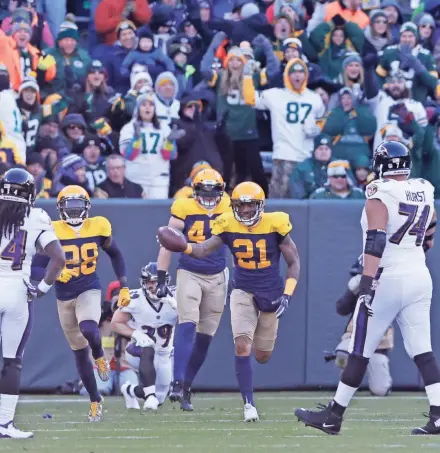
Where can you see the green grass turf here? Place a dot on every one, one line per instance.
(372, 425)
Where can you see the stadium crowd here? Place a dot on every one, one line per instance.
(130, 99)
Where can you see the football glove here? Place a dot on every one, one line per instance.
(65, 276)
(162, 290)
(124, 297)
(366, 294)
(283, 305)
(142, 339)
(33, 292)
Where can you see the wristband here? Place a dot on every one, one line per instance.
(188, 250)
(290, 286)
(44, 287)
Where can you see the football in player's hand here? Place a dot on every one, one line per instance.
(171, 239)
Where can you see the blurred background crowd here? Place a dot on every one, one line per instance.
(130, 99)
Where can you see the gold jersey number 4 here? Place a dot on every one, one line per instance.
(197, 231)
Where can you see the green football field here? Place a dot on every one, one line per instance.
(372, 425)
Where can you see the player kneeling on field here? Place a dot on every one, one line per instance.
(149, 322)
(378, 370)
(256, 240)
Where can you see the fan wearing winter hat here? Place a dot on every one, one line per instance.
(70, 171)
(378, 34)
(416, 63)
(31, 110)
(72, 61)
(185, 72)
(426, 27)
(35, 165)
(27, 57)
(241, 122)
(147, 55)
(353, 75)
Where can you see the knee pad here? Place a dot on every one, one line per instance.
(355, 370)
(242, 345)
(427, 365)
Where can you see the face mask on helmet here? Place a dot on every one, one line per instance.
(208, 196)
(247, 212)
(74, 211)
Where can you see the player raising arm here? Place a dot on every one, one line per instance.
(201, 284)
(256, 240)
(23, 228)
(78, 288)
(398, 219)
(149, 321)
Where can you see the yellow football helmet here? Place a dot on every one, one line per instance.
(208, 187)
(73, 204)
(247, 202)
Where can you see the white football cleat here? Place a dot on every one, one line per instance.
(250, 413)
(151, 403)
(10, 431)
(131, 402)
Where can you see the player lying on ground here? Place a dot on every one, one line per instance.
(23, 229)
(201, 284)
(149, 322)
(398, 223)
(256, 240)
(378, 370)
(78, 288)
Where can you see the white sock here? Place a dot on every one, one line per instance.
(151, 390)
(8, 404)
(433, 393)
(344, 394)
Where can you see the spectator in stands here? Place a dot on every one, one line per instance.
(71, 170)
(333, 40)
(395, 18)
(426, 27)
(72, 61)
(113, 58)
(55, 11)
(90, 150)
(378, 35)
(351, 126)
(311, 173)
(26, 58)
(74, 128)
(162, 25)
(147, 54)
(117, 185)
(284, 28)
(352, 75)
(185, 73)
(144, 144)
(200, 140)
(36, 166)
(327, 91)
(241, 123)
(93, 102)
(339, 185)
(50, 128)
(31, 110)
(47, 148)
(166, 88)
(362, 172)
(41, 35)
(289, 120)
(349, 11)
(416, 63)
(110, 13)
(109, 139)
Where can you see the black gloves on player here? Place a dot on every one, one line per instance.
(366, 294)
(162, 287)
(283, 304)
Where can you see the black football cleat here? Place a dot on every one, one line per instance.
(185, 402)
(176, 393)
(324, 420)
(432, 427)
